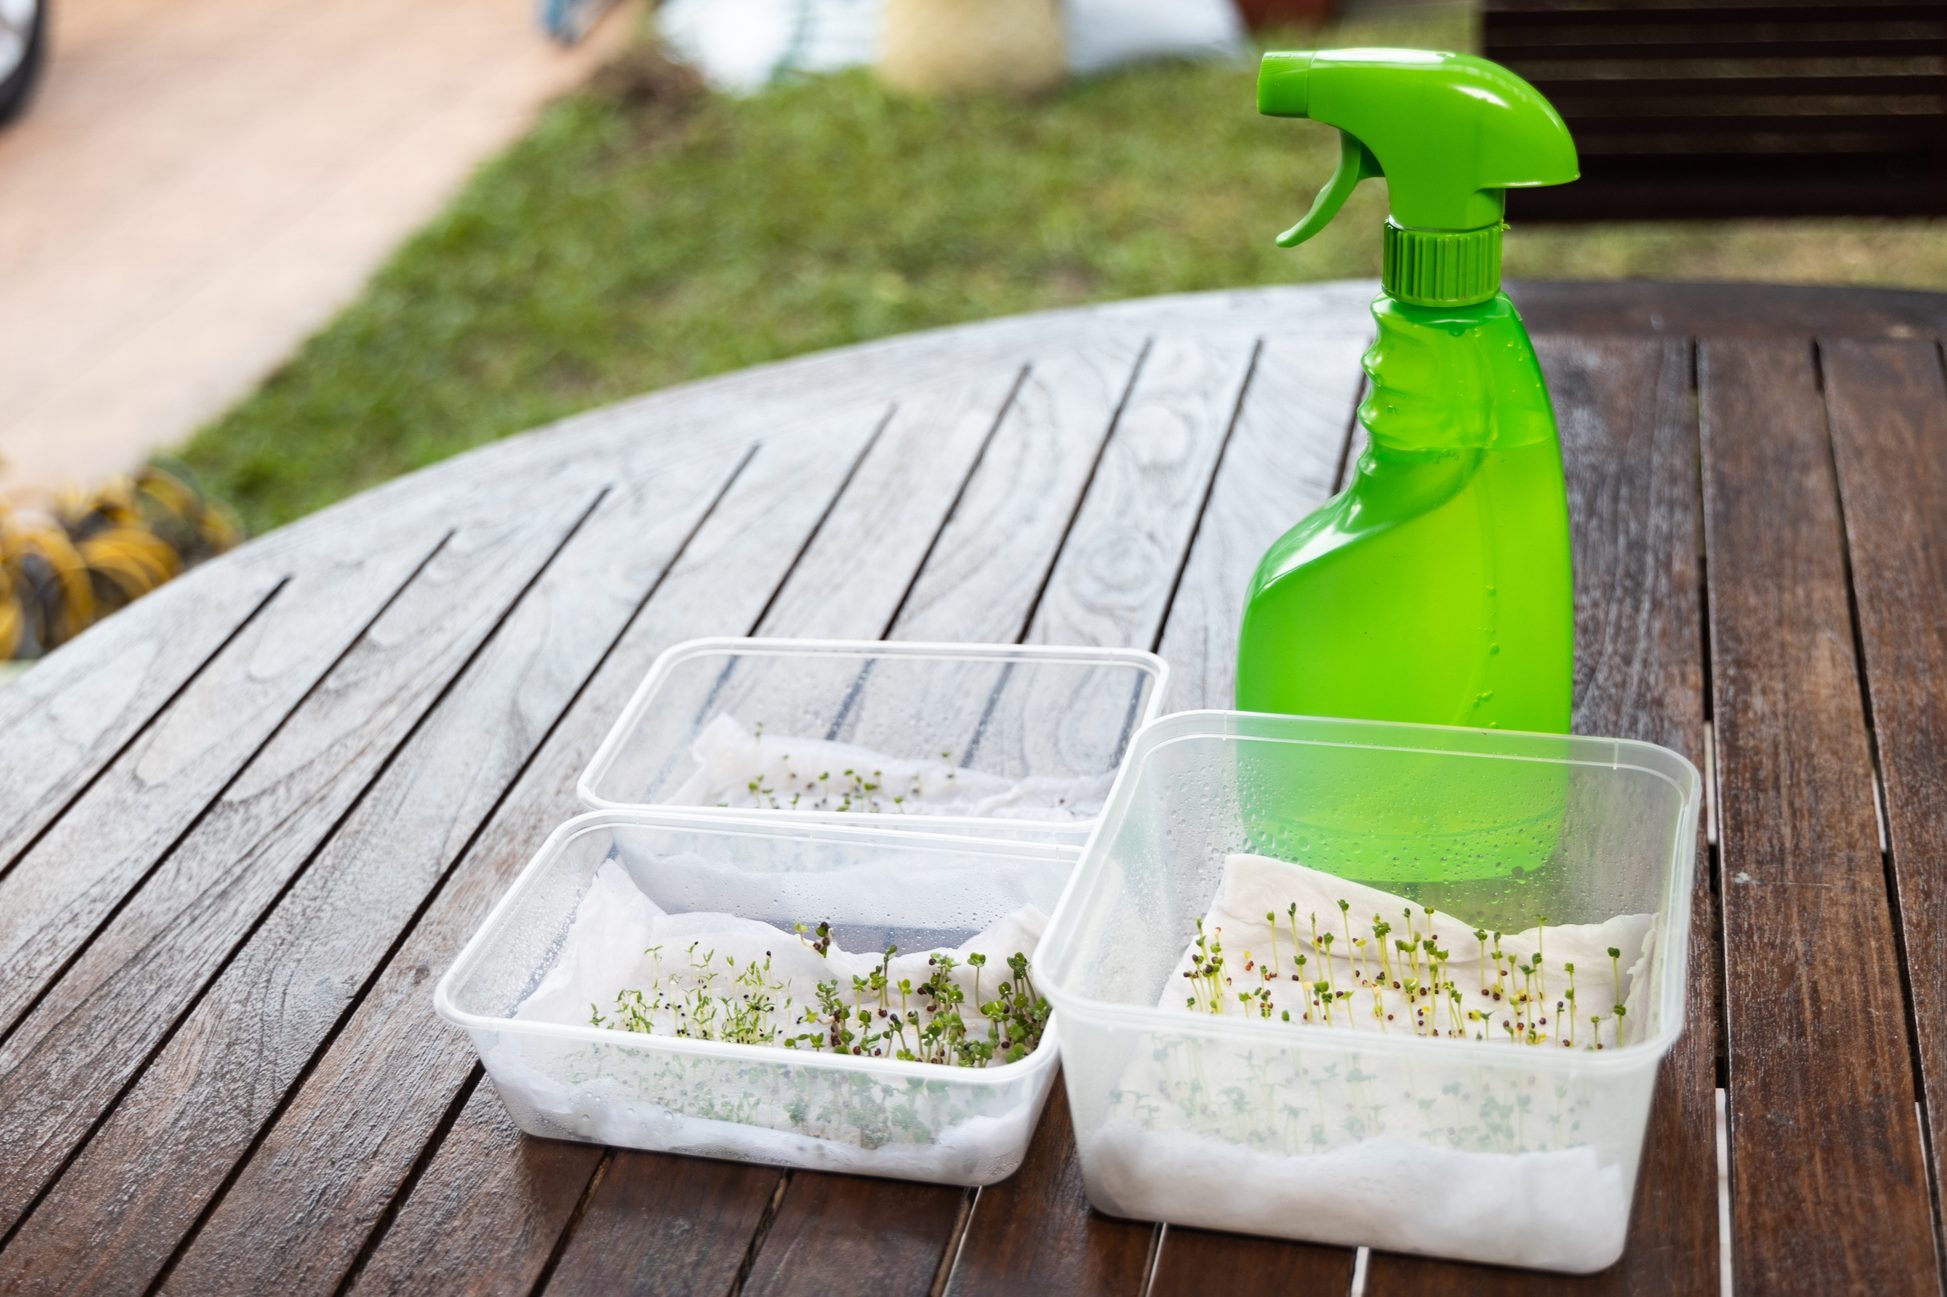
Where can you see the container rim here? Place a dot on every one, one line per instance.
(1672, 926)
(446, 990)
(609, 752)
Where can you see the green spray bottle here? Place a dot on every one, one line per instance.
(1436, 586)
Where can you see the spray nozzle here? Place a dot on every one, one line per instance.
(1451, 133)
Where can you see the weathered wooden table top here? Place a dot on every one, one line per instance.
(245, 825)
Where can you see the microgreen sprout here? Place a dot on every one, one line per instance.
(1345, 918)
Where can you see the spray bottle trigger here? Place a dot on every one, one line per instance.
(1356, 163)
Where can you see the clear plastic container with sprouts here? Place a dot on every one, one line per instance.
(1357, 983)
(1020, 741)
(756, 988)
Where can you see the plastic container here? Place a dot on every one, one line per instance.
(758, 1103)
(1481, 1150)
(992, 739)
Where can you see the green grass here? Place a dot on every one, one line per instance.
(643, 234)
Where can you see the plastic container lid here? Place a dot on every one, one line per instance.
(998, 740)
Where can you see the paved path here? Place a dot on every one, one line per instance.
(202, 183)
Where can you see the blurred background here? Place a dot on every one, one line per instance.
(258, 255)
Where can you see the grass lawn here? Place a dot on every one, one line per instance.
(647, 232)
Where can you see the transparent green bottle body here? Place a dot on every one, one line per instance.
(1436, 588)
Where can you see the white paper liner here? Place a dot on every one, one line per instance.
(730, 757)
(761, 1108)
(1427, 1152)
(1254, 885)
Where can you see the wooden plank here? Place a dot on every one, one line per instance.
(122, 997)
(978, 583)
(221, 1076)
(1911, 127)
(850, 581)
(1282, 462)
(1519, 17)
(1111, 584)
(858, 571)
(981, 579)
(848, 1234)
(1900, 191)
(668, 1224)
(77, 873)
(1888, 408)
(1829, 1185)
(547, 1175)
(1571, 92)
(1119, 564)
(65, 725)
(1725, 310)
(1629, 448)
(1807, 46)
(1034, 1232)
(1193, 1261)
(300, 1209)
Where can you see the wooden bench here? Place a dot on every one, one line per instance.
(1716, 108)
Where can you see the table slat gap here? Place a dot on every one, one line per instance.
(1031, 482)
(455, 1110)
(603, 1165)
(818, 525)
(1295, 428)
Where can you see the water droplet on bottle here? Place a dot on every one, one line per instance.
(1493, 590)
(1493, 649)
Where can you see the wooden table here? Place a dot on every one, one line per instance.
(245, 825)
